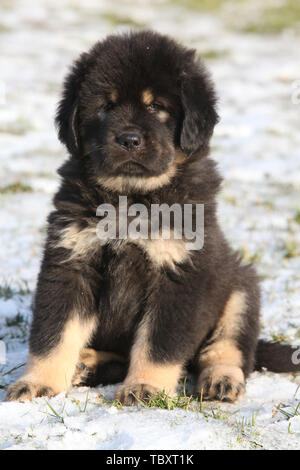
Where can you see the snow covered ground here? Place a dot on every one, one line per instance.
(257, 146)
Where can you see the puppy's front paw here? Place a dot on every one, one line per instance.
(133, 394)
(23, 391)
(221, 382)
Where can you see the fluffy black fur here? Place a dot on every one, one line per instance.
(118, 284)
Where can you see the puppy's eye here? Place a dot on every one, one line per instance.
(104, 109)
(109, 106)
(155, 107)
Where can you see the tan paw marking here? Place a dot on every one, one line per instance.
(23, 391)
(221, 382)
(132, 394)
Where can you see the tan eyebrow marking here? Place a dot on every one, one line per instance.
(147, 96)
(113, 96)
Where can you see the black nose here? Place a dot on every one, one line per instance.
(130, 140)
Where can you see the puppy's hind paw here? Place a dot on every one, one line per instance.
(221, 382)
(22, 391)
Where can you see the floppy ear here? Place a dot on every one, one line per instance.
(66, 119)
(200, 116)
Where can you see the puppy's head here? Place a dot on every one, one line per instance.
(132, 103)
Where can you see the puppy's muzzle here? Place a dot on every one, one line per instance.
(130, 141)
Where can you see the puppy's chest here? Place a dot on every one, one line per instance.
(158, 251)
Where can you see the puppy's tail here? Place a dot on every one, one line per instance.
(277, 357)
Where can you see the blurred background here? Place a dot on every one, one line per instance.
(252, 50)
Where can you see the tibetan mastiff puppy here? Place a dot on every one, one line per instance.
(137, 114)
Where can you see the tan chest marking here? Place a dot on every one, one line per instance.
(164, 252)
(81, 242)
(85, 242)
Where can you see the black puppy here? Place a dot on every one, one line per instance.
(137, 114)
